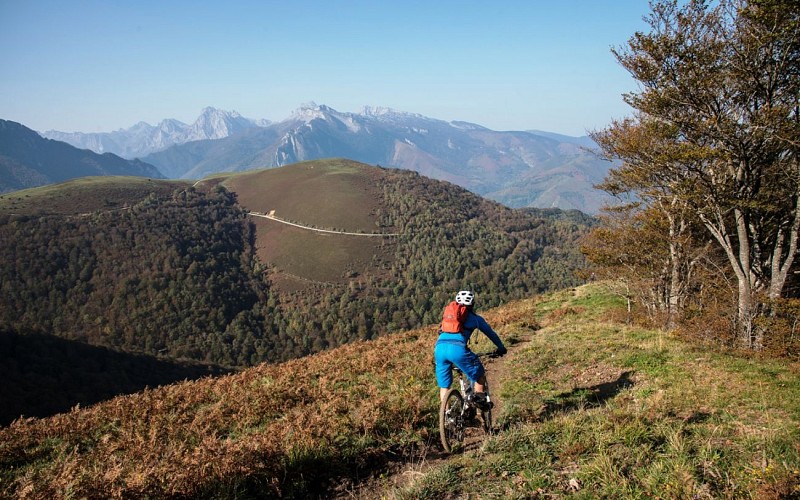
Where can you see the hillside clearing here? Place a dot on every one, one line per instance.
(347, 191)
(317, 214)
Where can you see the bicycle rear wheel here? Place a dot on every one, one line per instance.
(451, 420)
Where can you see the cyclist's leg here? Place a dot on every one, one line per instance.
(469, 363)
(444, 368)
(481, 384)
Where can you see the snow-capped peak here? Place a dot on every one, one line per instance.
(215, 124)
(310, 111)
(384, 112)
(212, 111)
(376, 111)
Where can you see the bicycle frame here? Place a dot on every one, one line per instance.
(468, 389)
(458, 408)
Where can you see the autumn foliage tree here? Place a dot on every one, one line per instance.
(714, 138)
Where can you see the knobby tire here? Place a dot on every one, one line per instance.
(451, 426)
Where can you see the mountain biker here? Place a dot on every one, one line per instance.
(451, 349)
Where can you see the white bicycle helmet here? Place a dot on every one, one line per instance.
(465, 297)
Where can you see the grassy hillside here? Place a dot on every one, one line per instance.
(598, 408)
(44, 374)
(84, 195)
(591, 407)
(337, 195)
(347, 190)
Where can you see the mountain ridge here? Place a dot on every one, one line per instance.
(516, 168)
(29, 160)
(142, 138)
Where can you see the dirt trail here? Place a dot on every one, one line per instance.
(271, 216)
(405, 473)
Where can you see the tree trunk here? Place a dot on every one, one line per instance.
(741, 266)
(745, 315)
(677, 280)
(782, 265)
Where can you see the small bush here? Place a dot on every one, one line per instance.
(782, 329)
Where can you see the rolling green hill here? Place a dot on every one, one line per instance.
(591, 407)
(85, 195)
(335, 195)
(190, 273)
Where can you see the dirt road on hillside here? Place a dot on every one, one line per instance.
(272, 216)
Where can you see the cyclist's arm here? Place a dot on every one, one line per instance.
(484, 327)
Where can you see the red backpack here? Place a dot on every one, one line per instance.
(453, 317)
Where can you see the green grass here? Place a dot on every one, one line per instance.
(596, 409)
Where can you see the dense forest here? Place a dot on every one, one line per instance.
(177, 277)
(165, 277)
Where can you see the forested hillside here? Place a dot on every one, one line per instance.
(176, 275)
(448, 239)
(165, 277)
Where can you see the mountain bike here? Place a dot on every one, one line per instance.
(458, 410)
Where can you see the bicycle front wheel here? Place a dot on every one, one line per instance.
(486, 421)
(451, 420)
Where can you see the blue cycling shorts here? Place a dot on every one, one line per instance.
(448, 353)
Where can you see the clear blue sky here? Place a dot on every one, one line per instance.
(97, 66)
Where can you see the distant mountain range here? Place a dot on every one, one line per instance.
(517, 168)
(143, 139)
(29, 160)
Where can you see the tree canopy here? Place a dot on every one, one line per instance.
(713, 140)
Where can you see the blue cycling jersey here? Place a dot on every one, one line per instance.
(472, 322)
